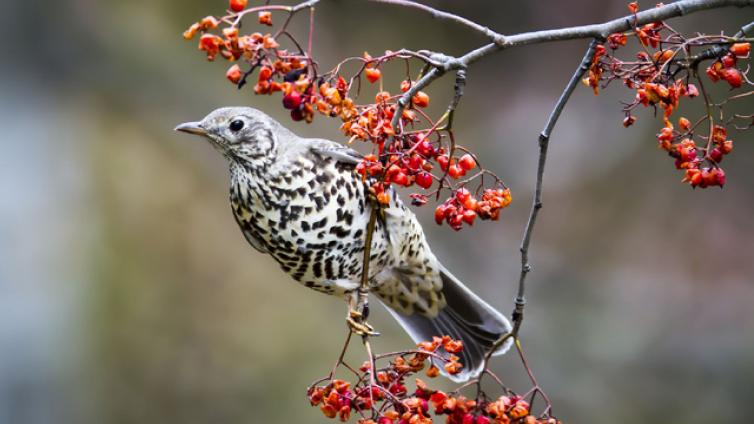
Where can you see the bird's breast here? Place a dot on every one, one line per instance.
(310, 219)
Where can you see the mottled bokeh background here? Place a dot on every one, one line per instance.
(127, 295)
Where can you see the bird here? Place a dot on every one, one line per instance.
(300, 201)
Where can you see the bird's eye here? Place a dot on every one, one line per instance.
(236, 125)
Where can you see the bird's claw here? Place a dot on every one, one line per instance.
(361, 328)
(358, 325)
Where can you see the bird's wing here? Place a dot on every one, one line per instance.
(336, 151)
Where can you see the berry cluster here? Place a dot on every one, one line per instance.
(382, 396)
(663, 74)
(464, 207)
(406, 155)
(725, 68)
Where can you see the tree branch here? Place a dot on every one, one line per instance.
(602, 30)
(544, 140)
(439, 14)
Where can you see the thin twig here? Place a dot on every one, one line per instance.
(439, 14)
(544, 138)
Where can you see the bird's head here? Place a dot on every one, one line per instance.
(239, 133)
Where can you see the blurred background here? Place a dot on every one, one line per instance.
(127, 294)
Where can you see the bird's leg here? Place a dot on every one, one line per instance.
(358, 300)
(358, 312)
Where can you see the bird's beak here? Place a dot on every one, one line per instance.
(192, 128)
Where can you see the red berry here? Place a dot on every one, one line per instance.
(415, 162)
(440, 213)
(693, 177)
(456, 171)
(726, 146)
(297, 115)
(373, 74)
(443, 161)
(265, 73)
(469, 216)
(234, 74)
(720, 177)
(732, 76)
(688, 154)
(210, 43)
(728, 60)
(238, 5)
(709, 177)
(740, 49)
(401, 178)
(467, 162)
(712, 73)
(292, 100)
(456, 222)
(426, 149)
(666, 134)
(462, 194)
(481, 419)
(424, 180)
(716, 155)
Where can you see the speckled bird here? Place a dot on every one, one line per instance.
(300, 201)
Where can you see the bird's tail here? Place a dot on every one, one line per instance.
(466, 317)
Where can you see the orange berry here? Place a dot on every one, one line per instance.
(433, 372)
(421, 99)
(740, 49)
(209, 22)
(684, 124)
(238, 5)
(382, 96)
(633, 7)
(662, 56)
(328, 410)
(265, 18)
(191, 31)
(373, 74)
(383, 198)
(234, 74)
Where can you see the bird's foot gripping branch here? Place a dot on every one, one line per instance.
(410, 148)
